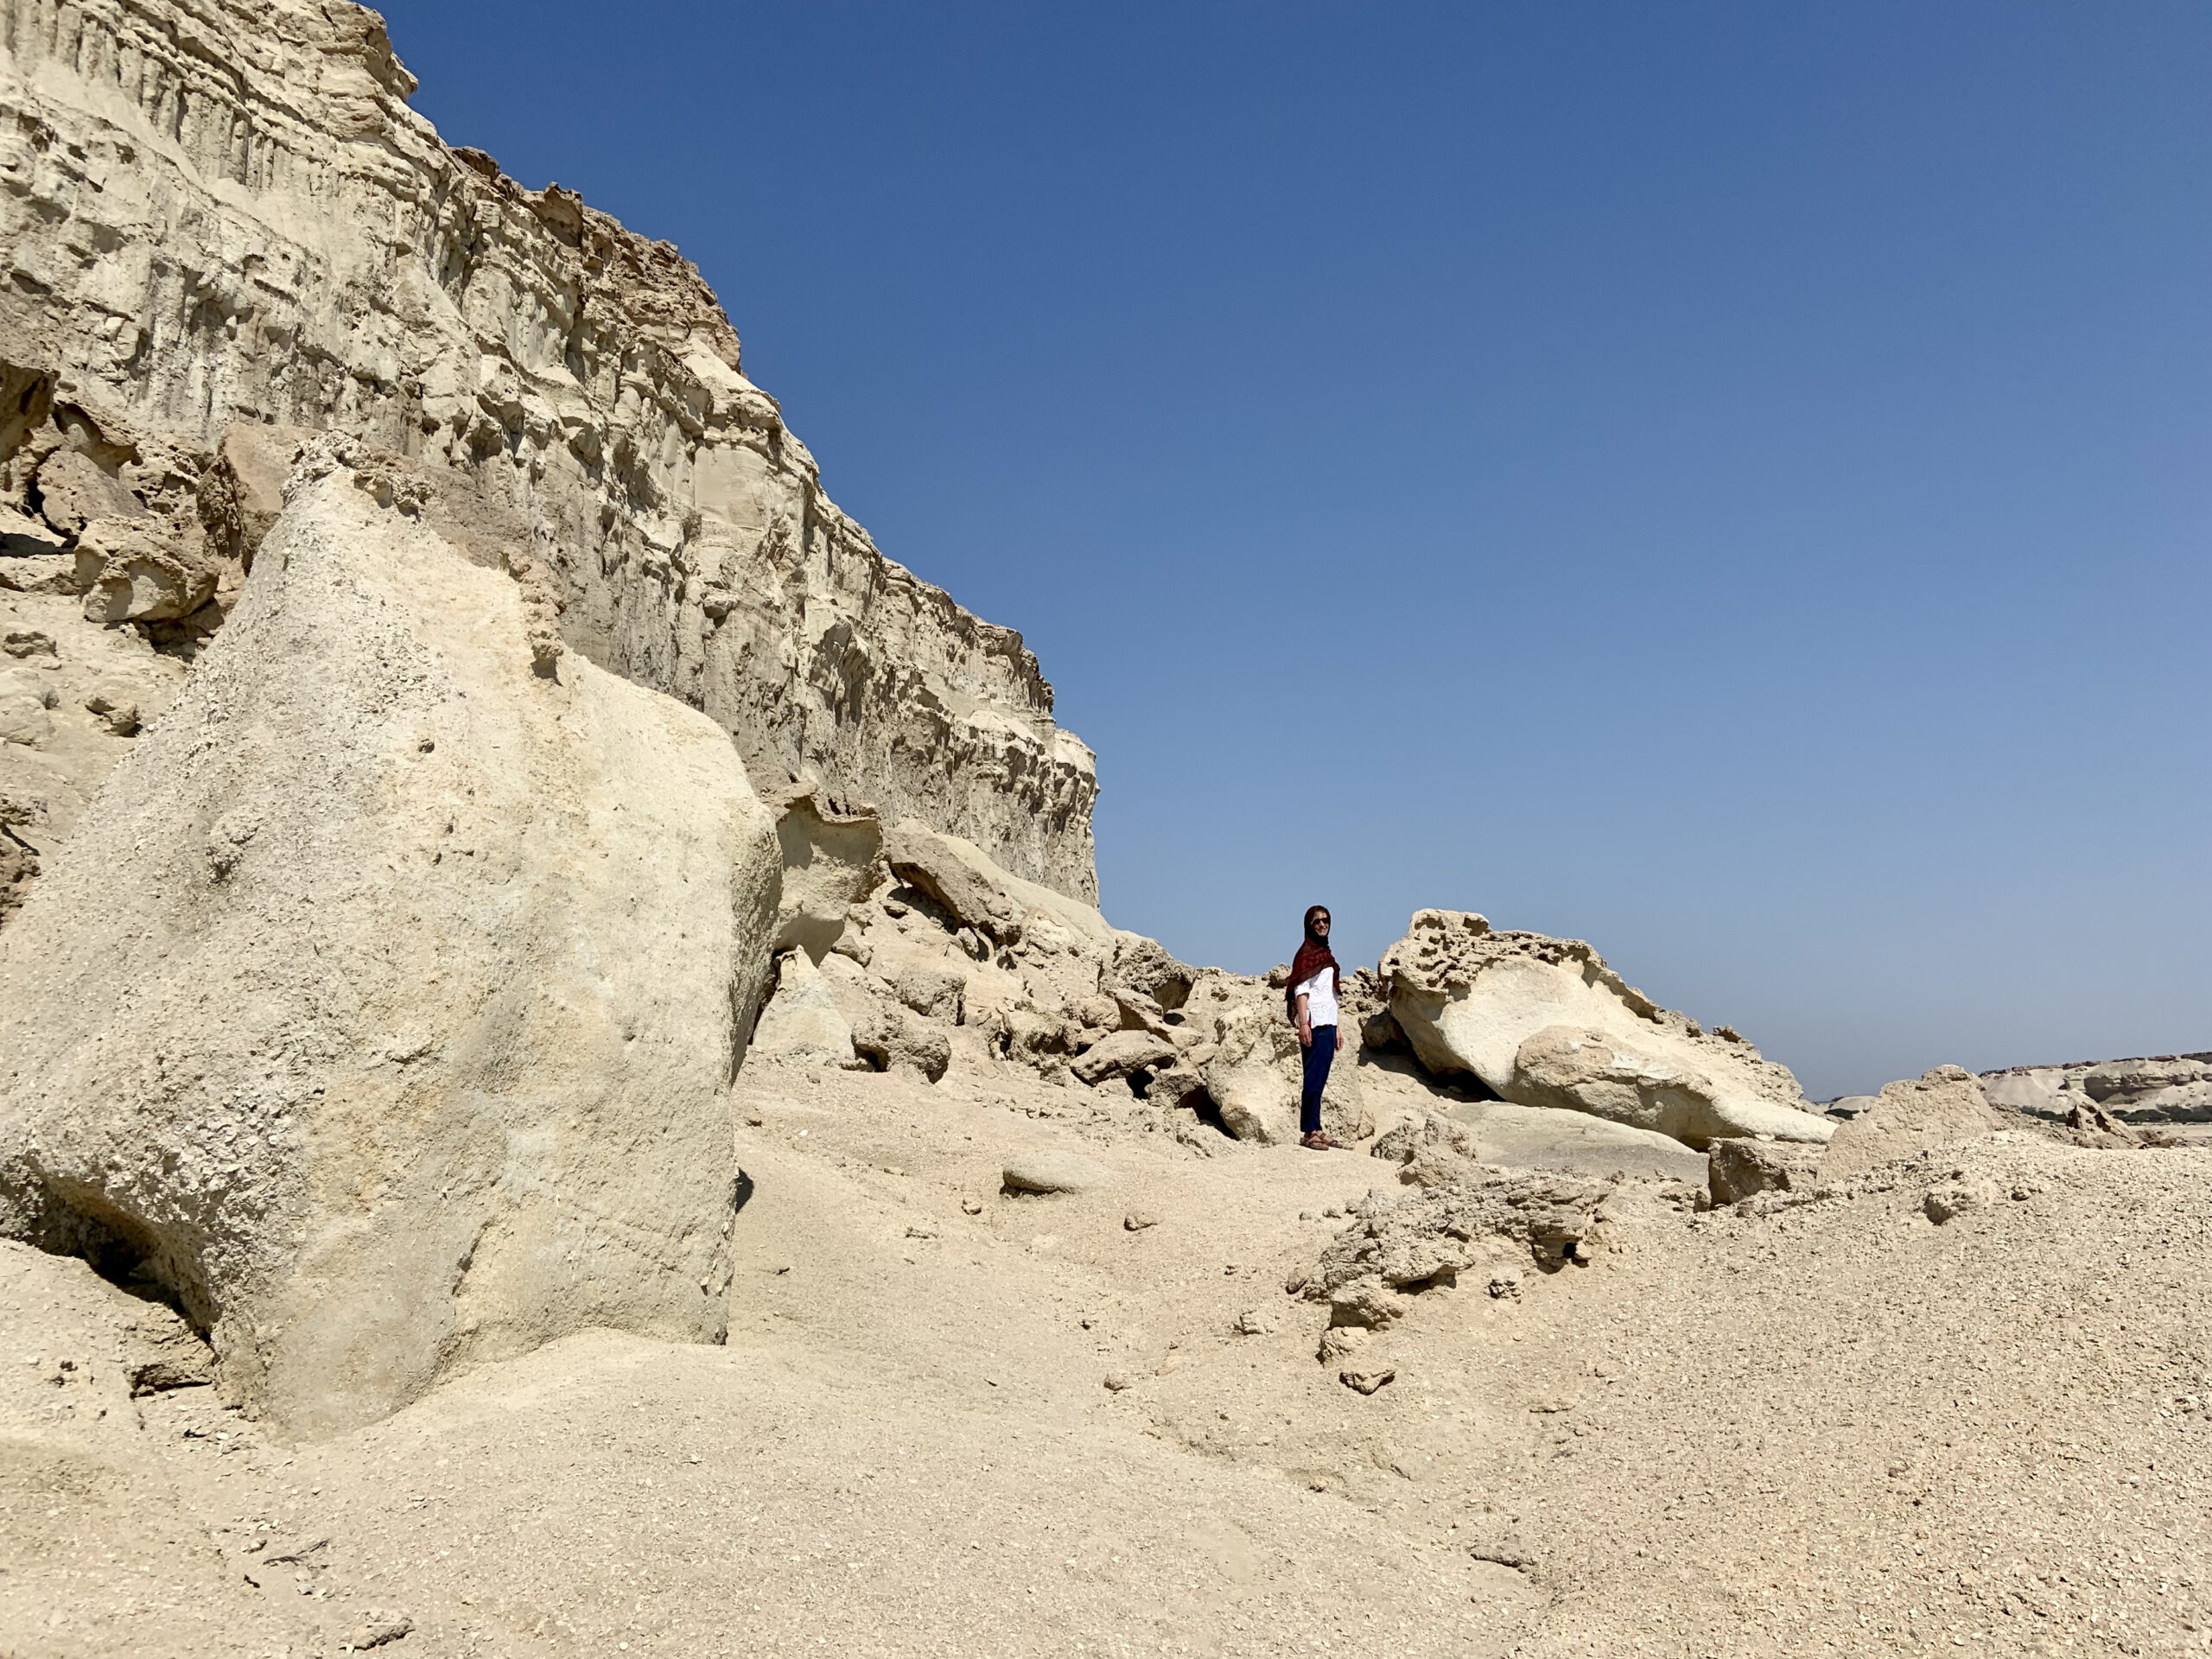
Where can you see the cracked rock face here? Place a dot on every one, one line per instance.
(219, 216)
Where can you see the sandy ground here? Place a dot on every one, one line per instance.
(1835, 1428)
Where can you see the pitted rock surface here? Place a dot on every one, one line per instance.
(1432, 1235)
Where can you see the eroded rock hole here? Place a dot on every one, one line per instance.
(123, 1251)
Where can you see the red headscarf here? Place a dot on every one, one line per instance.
(1312, 956)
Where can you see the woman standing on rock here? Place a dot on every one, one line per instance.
(1312, 999)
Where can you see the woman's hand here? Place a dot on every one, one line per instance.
(1305, 1024)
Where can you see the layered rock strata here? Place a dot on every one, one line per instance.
(2153, 1088)
(384, 1009)
(218, 216)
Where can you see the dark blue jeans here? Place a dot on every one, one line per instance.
(1319, 1053)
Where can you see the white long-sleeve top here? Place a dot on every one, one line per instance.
(1320, 994)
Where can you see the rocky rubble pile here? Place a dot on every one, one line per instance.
(943, 959)
(1491, 1222)
(1412, 1242)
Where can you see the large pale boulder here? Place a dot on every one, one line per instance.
(976, 892)
(931, 988)
(1253, 1067)
(1146, 965)
(895, 1040)
(887, 1033)
(803, 1020)
(1248, 1077)
(1467, 999)
(1943, 1108)
(385, 1004)
(1737, 1169)
(1122, 1052)
(1581, 1069)
(1538, 1137)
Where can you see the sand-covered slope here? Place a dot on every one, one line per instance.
(1835, 1425)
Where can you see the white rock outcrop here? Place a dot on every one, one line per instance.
(384, 1005)
(1536, 1137)
(220, 216)
(2150, 1089)
(1580, 1068)
(1544, 1022)
(977, 891)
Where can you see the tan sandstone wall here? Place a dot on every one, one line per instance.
(222, 211)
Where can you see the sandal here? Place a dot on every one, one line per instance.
(1319, 1142)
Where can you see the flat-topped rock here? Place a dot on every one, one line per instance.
(1541, 1137)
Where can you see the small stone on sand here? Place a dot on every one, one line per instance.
(1054, 1172)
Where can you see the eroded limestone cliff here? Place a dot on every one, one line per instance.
(220, 223)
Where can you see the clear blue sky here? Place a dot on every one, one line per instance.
(1726, 482)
